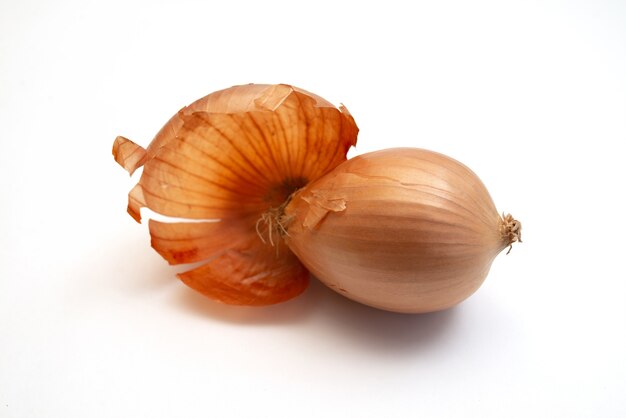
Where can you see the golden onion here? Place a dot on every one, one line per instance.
(404, 230)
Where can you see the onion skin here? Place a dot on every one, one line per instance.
(224, 161)
(404, 230)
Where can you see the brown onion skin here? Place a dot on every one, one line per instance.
(226, 161)
(405, 230)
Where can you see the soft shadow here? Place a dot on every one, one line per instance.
(377, 330)
(322, 311)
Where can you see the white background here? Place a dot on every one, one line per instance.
(530, 95)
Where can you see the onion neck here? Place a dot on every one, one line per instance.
(511, 230)
(273, 223)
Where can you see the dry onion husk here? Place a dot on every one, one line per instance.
(405, 230)
(234, 156)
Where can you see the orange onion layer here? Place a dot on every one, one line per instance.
(404, 230)
(225, 161)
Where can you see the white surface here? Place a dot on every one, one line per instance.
(531, 95)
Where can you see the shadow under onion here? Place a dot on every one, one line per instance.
(333, 316)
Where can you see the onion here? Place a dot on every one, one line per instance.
(232, 157)
(260, 174)
(404, 230)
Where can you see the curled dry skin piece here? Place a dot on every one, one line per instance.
(404, 230)
(233, 156)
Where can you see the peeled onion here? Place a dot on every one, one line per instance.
(404, 230)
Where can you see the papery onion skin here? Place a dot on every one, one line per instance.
(231, 156)
(404, 230)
